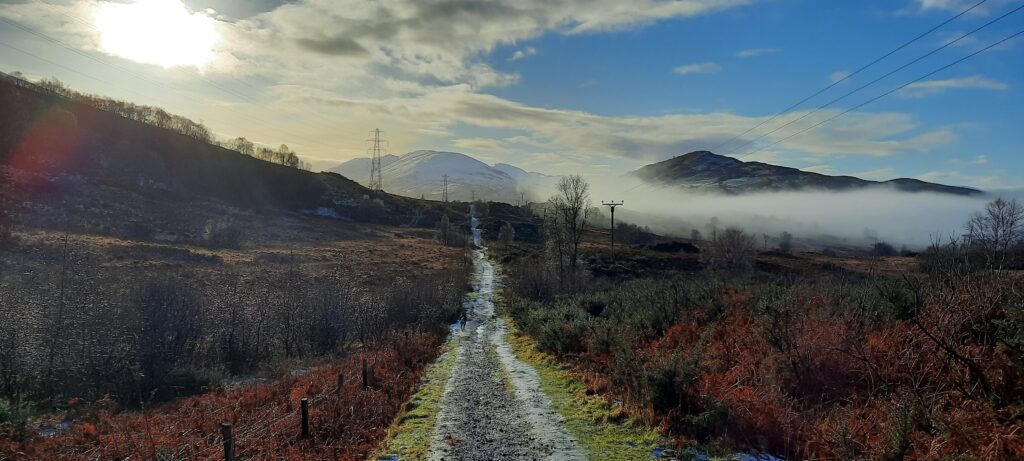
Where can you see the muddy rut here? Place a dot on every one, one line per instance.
(493, 406)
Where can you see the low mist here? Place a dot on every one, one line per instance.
(816, 219)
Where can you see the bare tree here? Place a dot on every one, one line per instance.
(571, 204)
(730, 250)
(996, 230)
(242, 145)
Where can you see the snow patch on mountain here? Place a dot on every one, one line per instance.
(421, 174)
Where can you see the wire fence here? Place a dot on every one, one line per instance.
(279, 422)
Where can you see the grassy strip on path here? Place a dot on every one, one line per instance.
(589, 418)
(410, 434)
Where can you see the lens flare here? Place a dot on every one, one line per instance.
(161, 32)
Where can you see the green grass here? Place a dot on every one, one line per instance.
(410, 434)
(596, 424)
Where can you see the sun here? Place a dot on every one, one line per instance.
(161, 32)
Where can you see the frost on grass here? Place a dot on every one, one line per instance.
(594, 422)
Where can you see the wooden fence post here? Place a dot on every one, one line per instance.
(341, 380)
(229, 448)
(366, 376)
(305, 418)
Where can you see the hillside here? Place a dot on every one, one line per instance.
(704, 171)
(420, 174)
(60, 155)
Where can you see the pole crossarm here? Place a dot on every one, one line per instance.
(612, 204)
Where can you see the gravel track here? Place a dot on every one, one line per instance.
(493, 407)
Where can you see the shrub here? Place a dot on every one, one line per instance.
(372, 209)
(883, 249)
(730, 250)
(450, 234)
(223, 235)
(632, 234)
(943, 260)
(532, 279)
(14, 417)
(507, 234)
(171, 315)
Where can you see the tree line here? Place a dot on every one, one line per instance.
(158, 117)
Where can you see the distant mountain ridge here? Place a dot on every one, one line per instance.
(705, 171)
(421, 174)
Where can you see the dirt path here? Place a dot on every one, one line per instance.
(493, 407)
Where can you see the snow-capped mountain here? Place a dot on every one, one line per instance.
(421, 174)
(707, 172)
(528, 180)
(358, 169)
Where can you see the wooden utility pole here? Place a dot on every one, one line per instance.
(612, 205)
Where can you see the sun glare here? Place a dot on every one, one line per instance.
(161, 32)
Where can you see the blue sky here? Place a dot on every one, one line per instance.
(590, 86)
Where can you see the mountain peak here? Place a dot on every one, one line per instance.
(707, 171)
(704, 157)
(422, 172)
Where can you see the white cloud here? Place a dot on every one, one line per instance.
(942, 4)
(868, 134)
(930, 87)
(353, 44)
(756, 52)
(477, 143)
(821, 169)
(993, 180)
(958, 5)
(520, 54)
(981, 159)
(629, 138)
(337, 67)
(697, 68)
(878, 174)
(838, 76)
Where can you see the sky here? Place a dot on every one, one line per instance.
(598, 87)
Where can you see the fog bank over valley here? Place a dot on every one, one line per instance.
(817, 218)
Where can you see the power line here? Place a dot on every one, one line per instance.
(57, 64)
(869, 101)
(848, 76)
(888, 74)
(887, 93)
